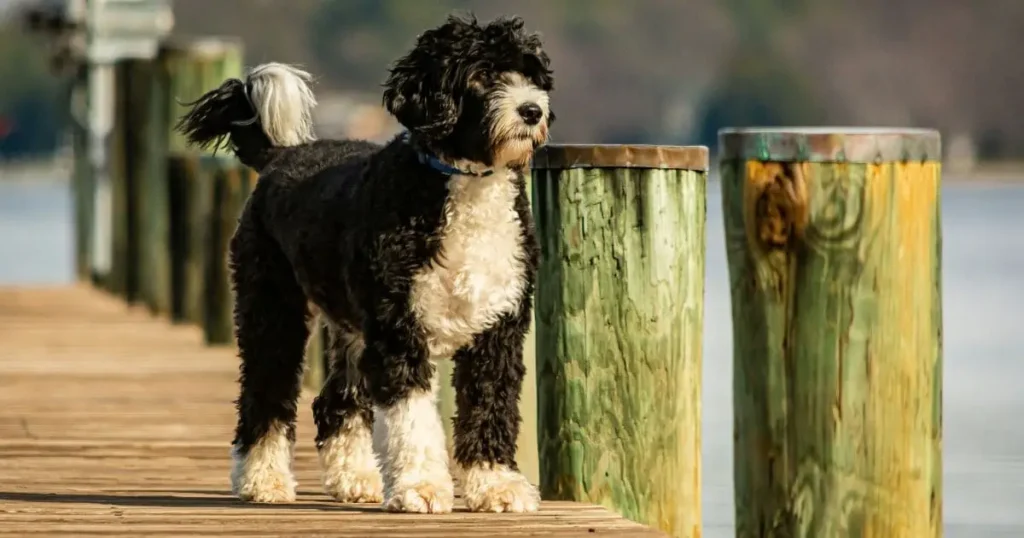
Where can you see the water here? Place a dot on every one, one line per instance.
(983, 227)
(36, 233)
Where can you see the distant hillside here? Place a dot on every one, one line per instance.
(621, 74)
(661, 71)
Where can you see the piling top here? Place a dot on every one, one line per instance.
(203, 47)
(562, 156)
(830, 144)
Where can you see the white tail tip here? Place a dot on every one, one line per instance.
(284, 101)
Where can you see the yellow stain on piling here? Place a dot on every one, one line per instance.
(902, 202)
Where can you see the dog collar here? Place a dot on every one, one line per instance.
(445, 168)
(448, 169)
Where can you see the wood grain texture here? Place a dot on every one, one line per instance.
(837, 316)
(116, 423)
(620, 308)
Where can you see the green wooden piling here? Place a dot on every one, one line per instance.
(620, 307)
(83, 185)
(121, 278)
(834, 250)
(229, 182)
(140, 267)
(152, 218)
(181, 169)
(192, 68)
(198, 214)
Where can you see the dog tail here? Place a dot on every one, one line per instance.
(271, 109)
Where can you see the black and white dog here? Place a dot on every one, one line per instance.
(416, 251)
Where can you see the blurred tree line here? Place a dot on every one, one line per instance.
(32, 101)
(674, 71)
(654, 71)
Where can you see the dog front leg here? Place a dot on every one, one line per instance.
(407, 430)
(488, 379)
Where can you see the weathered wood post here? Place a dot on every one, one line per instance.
(149, 86)
(121, 279)
(83, 184)
(231, 184)
(834, 252)
(193, 68)
(620, 309)
(140, 269)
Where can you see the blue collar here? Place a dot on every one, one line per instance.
(445, 168)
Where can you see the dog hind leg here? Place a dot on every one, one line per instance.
(271, 329)
(344, 420)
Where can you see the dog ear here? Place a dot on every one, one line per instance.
(418, 97)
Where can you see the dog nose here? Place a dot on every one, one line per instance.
(531, 113)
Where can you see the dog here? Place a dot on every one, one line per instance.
(415, 251)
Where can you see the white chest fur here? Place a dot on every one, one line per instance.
(481, 271)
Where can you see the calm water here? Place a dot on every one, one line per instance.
(984, 370)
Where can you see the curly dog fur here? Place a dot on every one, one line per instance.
(419, 250)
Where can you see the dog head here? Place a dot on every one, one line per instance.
(474, 93)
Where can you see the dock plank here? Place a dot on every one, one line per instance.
(116, 423)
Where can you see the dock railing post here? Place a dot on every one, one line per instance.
(834, 250)
(619, 319)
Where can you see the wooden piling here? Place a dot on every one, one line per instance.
(230, 183)
(121, 279)
(834, 250)
(140, 267)
(83, 186)
(181, 172)
(620, 308)
(153, 250)
(198, 214)
(192, 68)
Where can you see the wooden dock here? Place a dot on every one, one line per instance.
(116, 423)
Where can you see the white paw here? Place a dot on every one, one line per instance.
(365, 487)
(264, 475)
(499, 489)
(350, 472)
(422, 499)
(268, 486)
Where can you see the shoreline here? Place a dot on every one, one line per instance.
(59, 170)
